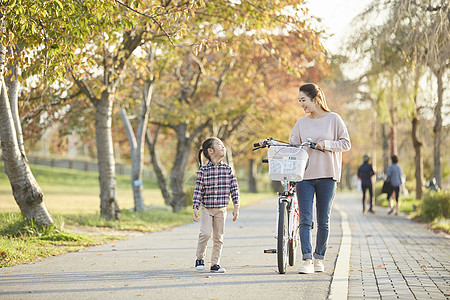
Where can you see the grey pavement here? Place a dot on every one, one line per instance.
(380, 256)
(393, 257)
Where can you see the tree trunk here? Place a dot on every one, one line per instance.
(418, 162)
(251, 176)
(438, 127)
(417, 143)
(136, 163)
(347, 181)
(109, 207)
(393, 135)
(374, 138)
(277, 186)
(179, 200)
(230, 160)
(26, 191)
(137, 143)
(184, 142)
(158, 168)
(385, 137)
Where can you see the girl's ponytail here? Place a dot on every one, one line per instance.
(200, 158)
(205, 146)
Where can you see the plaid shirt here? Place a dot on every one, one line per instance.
(214, 186)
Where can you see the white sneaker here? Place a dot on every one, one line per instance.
(307, 267)
(200, 264)
(318, 265)
(217, 269)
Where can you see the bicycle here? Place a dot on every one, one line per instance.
(287, 163)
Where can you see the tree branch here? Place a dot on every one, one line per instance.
(199, 129)
(84, 88)
(148, 16)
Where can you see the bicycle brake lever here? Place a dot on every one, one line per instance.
(314, 147)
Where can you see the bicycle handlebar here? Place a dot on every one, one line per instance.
(270, 142)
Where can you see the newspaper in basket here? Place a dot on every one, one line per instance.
(287, 163)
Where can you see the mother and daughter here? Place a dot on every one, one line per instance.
(216, 182)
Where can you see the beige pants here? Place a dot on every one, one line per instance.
(211, 220)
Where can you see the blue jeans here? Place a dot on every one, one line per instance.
(324, 189)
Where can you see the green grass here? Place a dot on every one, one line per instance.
(433, 209)
(21, 240)
(441, 225)
(72, 197)
(74, 179)
(76, 191)
(144, 221)
(408, 204)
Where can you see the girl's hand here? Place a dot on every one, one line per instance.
(235, 213)
(195, 215)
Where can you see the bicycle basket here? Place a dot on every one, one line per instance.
(287, 163)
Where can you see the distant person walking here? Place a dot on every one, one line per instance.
(395, 175)
(365, 174)
(215, 183)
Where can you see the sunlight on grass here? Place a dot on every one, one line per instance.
(87, 201)
(21, 240)
(78, 200)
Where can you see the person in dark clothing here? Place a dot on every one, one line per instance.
(396, 177)
(365, 173)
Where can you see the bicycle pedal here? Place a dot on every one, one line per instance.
(270, 251)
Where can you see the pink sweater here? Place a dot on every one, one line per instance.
(330, 129)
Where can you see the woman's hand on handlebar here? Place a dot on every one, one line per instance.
(321, 145)
(262, 144)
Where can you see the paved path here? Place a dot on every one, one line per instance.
(381, 257)
(393, 257)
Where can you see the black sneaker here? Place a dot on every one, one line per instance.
(200, 264)
(217, 269)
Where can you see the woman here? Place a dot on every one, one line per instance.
(395, 175)
(327, 129)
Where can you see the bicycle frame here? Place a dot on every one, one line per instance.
(289, 195)
(288, 217)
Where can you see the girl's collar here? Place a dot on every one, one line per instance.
(218, 164)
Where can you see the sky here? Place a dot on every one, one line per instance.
(336, 16)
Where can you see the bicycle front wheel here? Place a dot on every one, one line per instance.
(283, 237)
(292, 252)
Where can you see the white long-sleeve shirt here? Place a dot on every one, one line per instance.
(330, 129)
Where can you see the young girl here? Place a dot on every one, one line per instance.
(215, 183)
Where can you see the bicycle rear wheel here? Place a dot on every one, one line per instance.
(282, 237)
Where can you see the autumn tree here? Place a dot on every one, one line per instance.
(418, 33)
(411, 36)
(215, 88)
(110, 53)
(38, 38)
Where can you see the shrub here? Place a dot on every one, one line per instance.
(436, 205)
